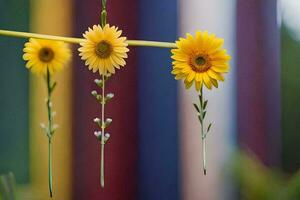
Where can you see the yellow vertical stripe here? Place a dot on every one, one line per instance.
(51, 17)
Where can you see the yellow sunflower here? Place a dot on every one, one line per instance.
(104, 49)
(42, 55)
(200, 60)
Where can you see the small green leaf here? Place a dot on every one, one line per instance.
(205, 104)
(204, 113)
(196, 107)
(200, 99)
(99, 97)
(199, 117)
(53, 86)
(208, 128)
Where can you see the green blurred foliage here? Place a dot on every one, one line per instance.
(257, 182)
(290, 57)
(7, 187)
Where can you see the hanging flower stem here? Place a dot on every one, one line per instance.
(201, 111)
(103, 20)
(50, 168)
(102, 123)
(50, 129)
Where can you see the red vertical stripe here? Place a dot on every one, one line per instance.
(121, 150)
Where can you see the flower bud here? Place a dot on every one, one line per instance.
(108, 122)
(94, 93)
(97, 133)
(96, 120)
(98, 82)
(110, 95)
(43, 126)
(53, 113)
(55, 126)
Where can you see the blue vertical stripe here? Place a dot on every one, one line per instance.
(158, 131)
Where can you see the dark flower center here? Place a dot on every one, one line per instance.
(200, 63)
(103, 49)
(200, 60)
(46, 54)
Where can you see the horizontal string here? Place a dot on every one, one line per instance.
(79, 40)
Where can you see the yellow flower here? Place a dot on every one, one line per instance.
(199, 60)
(104, 49)
(46, 54)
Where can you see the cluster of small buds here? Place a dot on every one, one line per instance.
(102, 100)
(100, 82)
(106, 123)
(46, 128)
(50, 102)
(99, 97)
(98, 134)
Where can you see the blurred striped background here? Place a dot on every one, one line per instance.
(155, 148)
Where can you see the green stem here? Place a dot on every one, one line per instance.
(102, 166)
(204, 155)
(103, 133)
(50, 130)
(49, 104)
(103, 23)
(103, 14)
(50, 168)
(203, 135)
(80, 40)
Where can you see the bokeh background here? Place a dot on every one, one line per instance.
(155, 148)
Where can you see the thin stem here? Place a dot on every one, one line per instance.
(79, 40)
(102, 166)
(103, 132)
(50, 167)
(49, 109)
(204, 155)
(203, 134)
(50, 130)
(104, 4)
(103, 18)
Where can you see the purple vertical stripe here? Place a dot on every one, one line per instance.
(259, 78)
